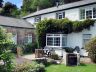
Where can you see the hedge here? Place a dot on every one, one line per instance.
(65, 26)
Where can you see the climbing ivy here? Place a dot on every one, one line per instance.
(65, 26)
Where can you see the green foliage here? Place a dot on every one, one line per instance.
(55, 56)
(77, 26)
(1, 3)
(91, 48)
(30, 6)
(5, 53)
(10, 10)
(69, 50)
(64, 68)
(29, 67)
(64, 25)
(30, 48)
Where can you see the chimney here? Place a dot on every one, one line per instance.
(57, 4)
(38, 8)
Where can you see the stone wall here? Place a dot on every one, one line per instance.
(21, 33)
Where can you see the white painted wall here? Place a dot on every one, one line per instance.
(72, 14)
(74, 39)
(48, 16)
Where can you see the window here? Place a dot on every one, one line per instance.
(14, 38)
(28, 38)
(50, 41)
(94, 12)
(86, 38)
(82, 14)
(60, 15)
(64, 40)
(56, 40)
(38, 18)
(88, 13)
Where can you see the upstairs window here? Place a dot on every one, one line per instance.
(88, 13)
(82, 14)
(38, 18)
(94, 12)
(60, 15)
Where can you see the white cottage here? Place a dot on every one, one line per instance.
(79, 10)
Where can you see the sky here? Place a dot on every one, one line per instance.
(16, 2)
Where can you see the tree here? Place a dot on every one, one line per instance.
(1, 3)
(10, 10)
(30, 6)
(5, 53)
(42, 3)
(27, 5)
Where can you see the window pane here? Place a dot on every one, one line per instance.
(64, 41)
(38, 18)
(89, 14)
(94, 12)
(28, 38)
(85, 41)
(50, 41)
(60, 15)
(86, 38)
(57, 41)
(82, 14)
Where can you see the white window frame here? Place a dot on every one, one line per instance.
(85, 38)
(28, 38)
(37, 19)
(56, 36)
(87, 9)
(60, 13)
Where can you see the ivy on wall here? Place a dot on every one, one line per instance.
(63, 25)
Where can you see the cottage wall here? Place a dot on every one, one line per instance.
(21, 33)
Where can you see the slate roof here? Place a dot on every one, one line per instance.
(62, 7)
(14, 22)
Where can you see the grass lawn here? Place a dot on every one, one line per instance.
(81, 68)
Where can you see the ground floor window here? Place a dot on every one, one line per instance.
(56, 40)
(14, 38)
(28, 38)
(86, 38)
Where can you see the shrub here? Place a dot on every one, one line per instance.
(77, 26)
(63, 25)
(30, 48)
(91, 48)
(14, 48)
(69, 50)
(5, 53)
(29, 67)
(55, 56)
